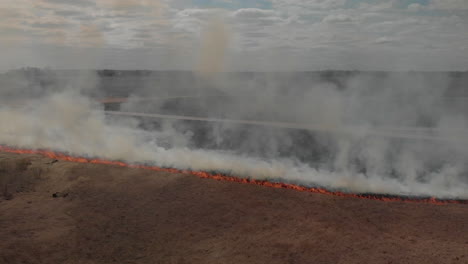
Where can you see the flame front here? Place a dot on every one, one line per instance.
(220, 177)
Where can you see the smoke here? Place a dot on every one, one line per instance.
(215, 39)
(371, 132)
(343, 151)
(394, 133)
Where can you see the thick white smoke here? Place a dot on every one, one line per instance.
(70, 122)
(393, 134)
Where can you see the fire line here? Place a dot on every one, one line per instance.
(221, 177)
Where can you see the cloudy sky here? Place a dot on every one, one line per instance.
(235, 34)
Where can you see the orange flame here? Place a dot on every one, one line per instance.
(220, 177)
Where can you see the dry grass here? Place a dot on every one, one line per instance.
(107, 214)
(17, 176)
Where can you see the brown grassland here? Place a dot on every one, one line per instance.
(63, 212)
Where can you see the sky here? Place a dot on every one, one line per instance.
(235, 35)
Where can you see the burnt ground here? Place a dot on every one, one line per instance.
(106, 214)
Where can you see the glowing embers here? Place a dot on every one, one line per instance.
(220, 177)
(61, 156)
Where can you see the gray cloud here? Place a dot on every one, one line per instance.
(338, 18)
(71, 2)
(449, 4)
(68, 13)
(385, 40)
(253, 13)
(387, 28)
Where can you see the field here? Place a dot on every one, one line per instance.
(106, 214)
(233, 131)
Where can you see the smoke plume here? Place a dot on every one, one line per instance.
(393, 133)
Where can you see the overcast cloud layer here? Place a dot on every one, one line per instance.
(260, 34)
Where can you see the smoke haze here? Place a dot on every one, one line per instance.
(392, 133)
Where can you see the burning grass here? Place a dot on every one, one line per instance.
(223, 177)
